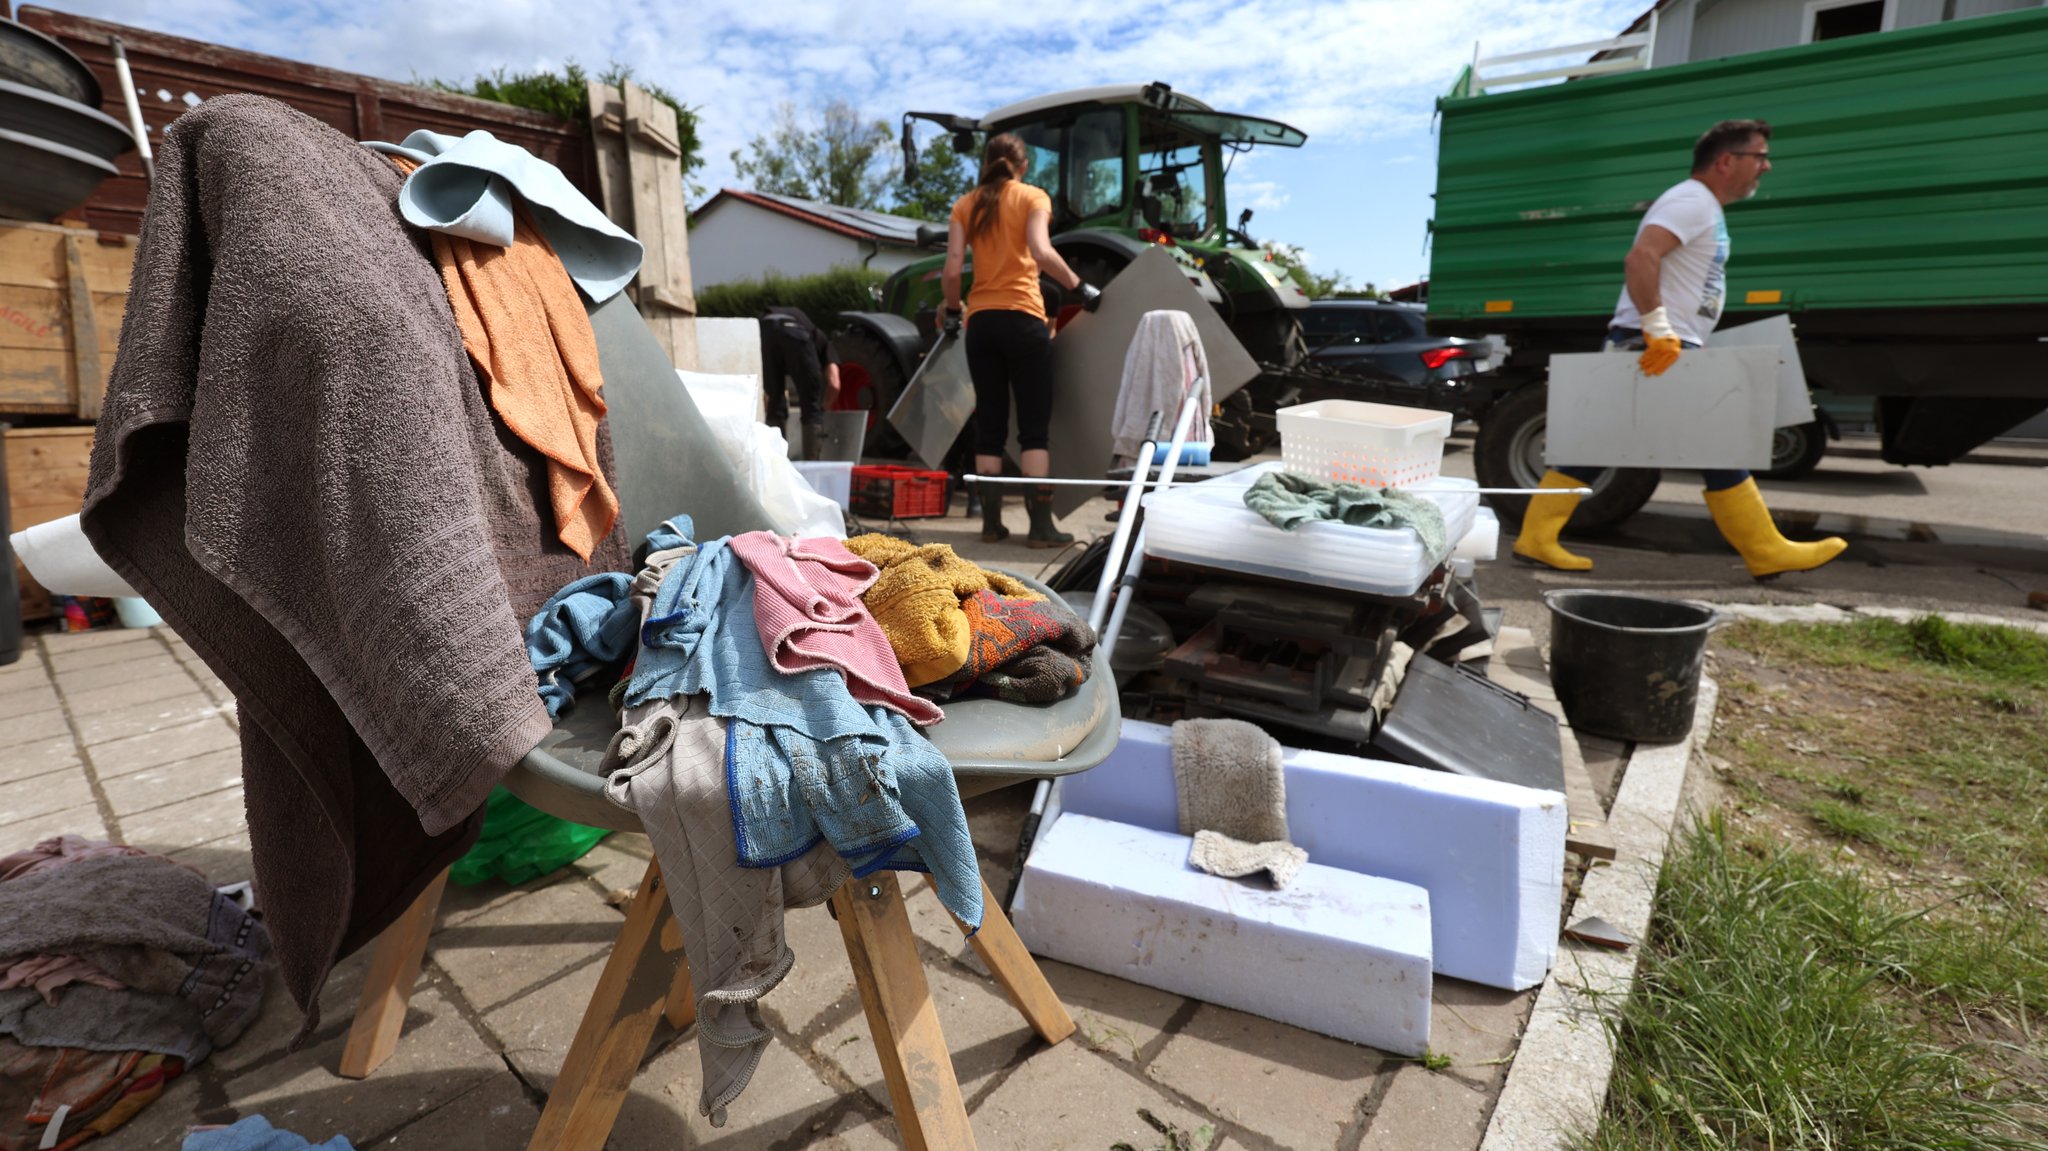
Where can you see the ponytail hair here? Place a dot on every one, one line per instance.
(1002, 160)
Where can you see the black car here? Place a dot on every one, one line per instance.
(1381, 337)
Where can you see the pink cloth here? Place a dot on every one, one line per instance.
(58, 851)
(807, 606)
(46, 973)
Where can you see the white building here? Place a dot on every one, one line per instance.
(1688, 30)
(740, 235)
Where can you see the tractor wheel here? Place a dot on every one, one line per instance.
(869, 381)
(1508, 453)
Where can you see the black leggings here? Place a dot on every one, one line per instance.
(1009, 354)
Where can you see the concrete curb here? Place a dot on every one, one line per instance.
(1827, 613)
(1558, 1083)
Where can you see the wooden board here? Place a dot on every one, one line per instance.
(175, 73)
(46, 473)
(62, 295)
(640, 173)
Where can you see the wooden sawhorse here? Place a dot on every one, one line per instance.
(646, 977)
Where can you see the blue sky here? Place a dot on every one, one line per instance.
(1359, 76)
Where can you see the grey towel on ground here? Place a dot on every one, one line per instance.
(1231, 785)
(192, 958)
(667, 765)
(1287, 501)
(296, 466)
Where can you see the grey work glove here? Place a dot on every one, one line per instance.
(1091, 296)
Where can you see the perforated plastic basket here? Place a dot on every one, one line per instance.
(1350, 441)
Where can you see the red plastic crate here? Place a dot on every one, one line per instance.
(885, 491)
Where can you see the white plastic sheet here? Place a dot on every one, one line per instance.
(727, 403)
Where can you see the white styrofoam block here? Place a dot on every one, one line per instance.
(1490, 854)
(1339, 953)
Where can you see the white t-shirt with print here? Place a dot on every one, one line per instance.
(1694, 282)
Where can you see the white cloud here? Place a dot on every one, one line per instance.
(1355, 74)
(1342, 70)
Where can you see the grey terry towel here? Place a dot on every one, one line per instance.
(295, 465)
(667, 763)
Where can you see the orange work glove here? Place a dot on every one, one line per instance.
(1660, 344)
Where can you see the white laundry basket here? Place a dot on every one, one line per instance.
(1350, 441)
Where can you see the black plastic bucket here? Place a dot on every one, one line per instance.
(1627, 666)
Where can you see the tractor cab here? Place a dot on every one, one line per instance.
(1127, 167)
(1134, 157)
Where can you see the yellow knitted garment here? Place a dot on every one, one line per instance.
(917, 598)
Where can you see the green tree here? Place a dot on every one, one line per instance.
(567, 94)
(838, 159)
(1294, 262)
(943, 176)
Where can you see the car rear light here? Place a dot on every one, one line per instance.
(1437, 357)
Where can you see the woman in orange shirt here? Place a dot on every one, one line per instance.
(1006, 223)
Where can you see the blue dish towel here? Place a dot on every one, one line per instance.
(255, 1133)
(582, 629)
(464, 187)
(804, 759)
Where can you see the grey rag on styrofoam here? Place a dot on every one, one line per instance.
(1233, 799)
(465, 184)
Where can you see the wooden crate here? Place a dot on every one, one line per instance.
(46, 472)
(62, 295)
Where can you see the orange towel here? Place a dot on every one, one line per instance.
(524, 326)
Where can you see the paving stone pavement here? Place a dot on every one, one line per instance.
(124, 735)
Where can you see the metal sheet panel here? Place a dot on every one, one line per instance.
(1088, 366)
(1911, 169)
(1795, 401)
(1712, 409)
(937, 403)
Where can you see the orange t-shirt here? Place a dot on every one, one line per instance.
(1005, 275)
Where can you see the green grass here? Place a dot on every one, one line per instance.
(1983, 653)
(1796, 995)
(1859, 824)
(1772, 1012)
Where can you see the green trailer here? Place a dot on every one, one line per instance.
(1904, 226)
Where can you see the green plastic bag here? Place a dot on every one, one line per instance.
(521, 842)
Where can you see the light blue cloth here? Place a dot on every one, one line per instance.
(804, 759)
(256, 1134)
(582, 629)
(464, 187)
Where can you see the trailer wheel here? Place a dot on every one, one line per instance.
(1796, 451)
(1508, 453)
(869, 381)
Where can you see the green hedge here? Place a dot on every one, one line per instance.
(843, 289)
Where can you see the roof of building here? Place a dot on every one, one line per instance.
(858, 223)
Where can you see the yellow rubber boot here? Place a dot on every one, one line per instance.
(1746, 523)
(1543, 521)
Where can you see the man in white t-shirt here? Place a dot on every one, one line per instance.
(1676, 282)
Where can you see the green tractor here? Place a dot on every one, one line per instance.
(1127, 166)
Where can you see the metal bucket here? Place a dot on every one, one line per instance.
(1627, 666)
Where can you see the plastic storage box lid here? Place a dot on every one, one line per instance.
(1208, 524)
